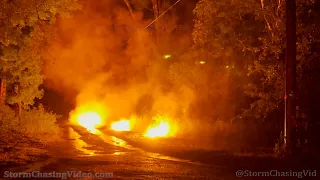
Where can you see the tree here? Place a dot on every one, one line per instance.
(250, 35)
(22, 40)
(23, 77)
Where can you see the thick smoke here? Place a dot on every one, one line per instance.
(105, 55)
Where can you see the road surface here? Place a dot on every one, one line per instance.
(89, 154)
(99, 156)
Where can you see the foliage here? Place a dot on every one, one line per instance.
(8, 121)
(18, 140)
(37, 123)
(23, 75)
(279, 148)
(250, 35)
(23, 33)
(17, 15)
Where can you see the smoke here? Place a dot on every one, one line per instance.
(105, 55)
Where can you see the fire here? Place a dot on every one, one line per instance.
(122, 125)
(160, 130)
(90, 120)
(89, 116)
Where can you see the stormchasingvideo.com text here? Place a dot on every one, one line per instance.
(59, 175)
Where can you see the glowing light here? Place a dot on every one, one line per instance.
(160, 130)
(78, 143)
(122, 125)
(90, 120)
(227, 67)
(167, 56)
(202, 62)
(89, 116)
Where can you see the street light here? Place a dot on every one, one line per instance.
(167, 56)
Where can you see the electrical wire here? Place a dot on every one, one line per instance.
(162, 14)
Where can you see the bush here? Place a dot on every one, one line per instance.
(37, 122)
(29, 134)
(8, 120)
(279, 148)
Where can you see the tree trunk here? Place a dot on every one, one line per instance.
(3, 89)
(20, 109)
(290, 81)
(156, 12)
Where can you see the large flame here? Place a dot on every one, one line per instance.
(122, 125)
(160, 130)
(89, 116)
(90, 120)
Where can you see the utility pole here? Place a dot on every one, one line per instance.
(290, 75)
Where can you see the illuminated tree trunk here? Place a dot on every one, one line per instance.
(155, 6)
(19, 109)
(3, 89)
(19, 103)
(156, 12)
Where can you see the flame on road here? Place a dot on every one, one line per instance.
(89, 116)
(122, 125)
(160, 130)
(90, 120)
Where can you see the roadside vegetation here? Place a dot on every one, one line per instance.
(24, 138)
(218, 74)
(26, 127)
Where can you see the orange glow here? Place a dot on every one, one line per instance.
(122, 125)
(167, 56)
(89, 116)
(90, 120)
(160, 130)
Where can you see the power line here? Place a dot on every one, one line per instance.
(162, 14)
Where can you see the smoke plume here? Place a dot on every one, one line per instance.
(106, 55)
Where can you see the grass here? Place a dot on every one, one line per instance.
(19, 149)
(26, 138)
(40, 125)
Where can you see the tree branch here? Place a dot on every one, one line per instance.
(129, 8)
